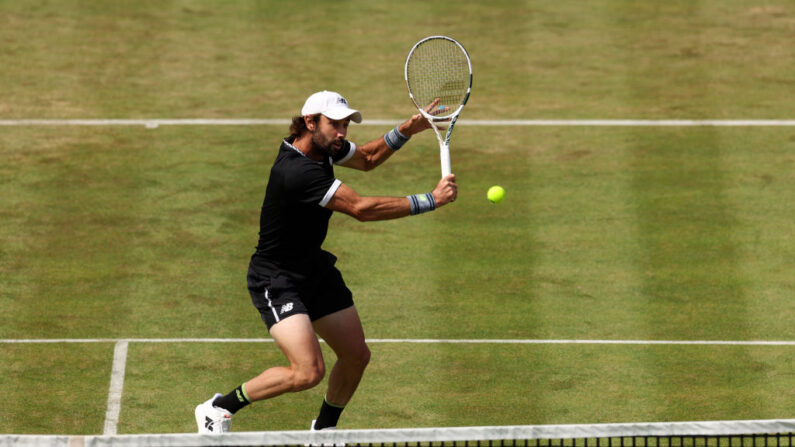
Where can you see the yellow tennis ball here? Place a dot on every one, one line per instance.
(496, 194)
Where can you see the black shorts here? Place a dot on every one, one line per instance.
(316, 290)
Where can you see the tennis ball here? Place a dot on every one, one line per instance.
(496, 194)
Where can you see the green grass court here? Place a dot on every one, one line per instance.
(607, 233)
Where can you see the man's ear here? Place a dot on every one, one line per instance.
(311, 122)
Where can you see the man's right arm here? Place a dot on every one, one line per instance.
(348, 201)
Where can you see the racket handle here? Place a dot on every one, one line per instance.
(444, 155)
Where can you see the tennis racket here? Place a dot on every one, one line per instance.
(438, 69)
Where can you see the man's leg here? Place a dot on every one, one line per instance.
(343, 332)
(296, 338)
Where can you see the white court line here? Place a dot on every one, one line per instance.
(116, 387)
(630, 123)
(152, 123)
(422, 341)
(592, 342)
(155, 123)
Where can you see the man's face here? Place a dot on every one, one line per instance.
(329, 134)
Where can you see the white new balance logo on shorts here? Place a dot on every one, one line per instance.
(286, 308)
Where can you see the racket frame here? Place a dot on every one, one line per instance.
(444, 143)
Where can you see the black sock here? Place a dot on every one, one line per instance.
(233, 401)
(329, 415)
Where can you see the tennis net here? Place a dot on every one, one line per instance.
(753, 433)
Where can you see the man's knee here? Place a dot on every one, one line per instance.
(360, 358)
(308, 377)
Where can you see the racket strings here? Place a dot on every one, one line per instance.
(438, 68)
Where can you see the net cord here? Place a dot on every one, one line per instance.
(665, 429)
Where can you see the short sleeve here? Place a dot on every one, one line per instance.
(345, 154)
(311, 184)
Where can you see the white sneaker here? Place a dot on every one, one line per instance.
(212, 419)
(312, 428)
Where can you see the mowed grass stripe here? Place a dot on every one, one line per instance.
(760, 194)
(54, 388)
(688, 261)
(77, 232)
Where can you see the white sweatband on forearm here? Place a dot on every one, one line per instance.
(421, 203)
(394, 139)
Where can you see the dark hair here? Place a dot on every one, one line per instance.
(298, 126)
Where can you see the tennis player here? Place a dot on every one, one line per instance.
(292, 281)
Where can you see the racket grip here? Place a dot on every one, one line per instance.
(444, 155)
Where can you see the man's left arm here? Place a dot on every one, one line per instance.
(375, 152)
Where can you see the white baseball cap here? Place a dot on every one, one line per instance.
(331, 104)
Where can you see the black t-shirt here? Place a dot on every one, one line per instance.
(294, 219)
